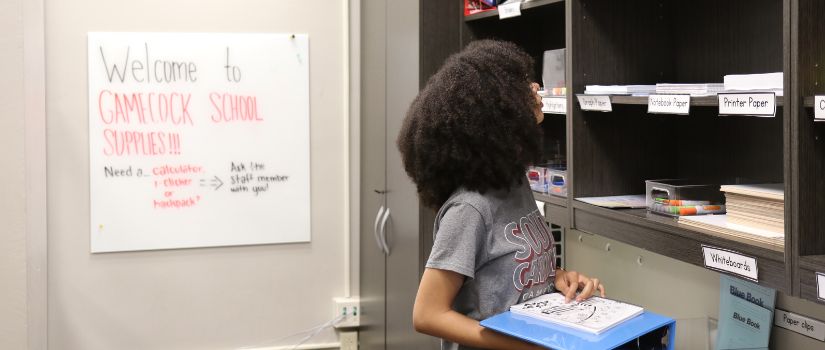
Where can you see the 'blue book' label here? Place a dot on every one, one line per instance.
(745, 314)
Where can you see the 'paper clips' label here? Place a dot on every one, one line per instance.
(800, 324)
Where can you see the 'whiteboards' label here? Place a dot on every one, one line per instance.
(761, 104)
(820, 286)
(509, 10)
(668, 104)
(728, 261)
(819, 108)
(554, 105)
(598, 103)
(799, 324)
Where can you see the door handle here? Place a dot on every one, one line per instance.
(375, 227)
(384, 244)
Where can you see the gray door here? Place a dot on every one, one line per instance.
(404, 264)
(391, 265)
(372, 334)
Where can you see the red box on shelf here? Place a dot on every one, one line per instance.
(472, 7)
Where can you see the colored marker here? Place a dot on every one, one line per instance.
(680, 202)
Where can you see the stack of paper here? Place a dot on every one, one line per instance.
(719, 225)
(594, 315)
(768, 82)
(754, 212)
(691, 89)
(636, 90)
(756, 206)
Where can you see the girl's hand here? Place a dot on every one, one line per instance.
(568, 282)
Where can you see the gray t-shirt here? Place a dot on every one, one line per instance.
(500, 242)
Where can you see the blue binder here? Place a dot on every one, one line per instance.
(558, 337)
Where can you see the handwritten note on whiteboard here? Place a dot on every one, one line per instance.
(198, 140)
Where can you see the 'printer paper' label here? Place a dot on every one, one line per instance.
(760, 104)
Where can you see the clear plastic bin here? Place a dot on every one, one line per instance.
(692, 191)
(557, 182)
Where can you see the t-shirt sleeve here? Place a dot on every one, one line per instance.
(459, 241)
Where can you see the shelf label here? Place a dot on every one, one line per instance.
(819, 108)
(554, 105)
(820, 286)
(725, 260)
(759, 104)
(509, 10)
(799, 324)
(598, 103)
(668, 104)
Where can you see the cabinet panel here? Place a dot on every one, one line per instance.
(404, 265)
(373, 174)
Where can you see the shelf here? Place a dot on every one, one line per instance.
(556, 210)
(662, 235)
(698, 101)
(808, 102)
(548, 198)
(526, 5)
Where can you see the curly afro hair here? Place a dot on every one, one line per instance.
(473, 125)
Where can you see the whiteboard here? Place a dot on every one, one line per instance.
(198, 140)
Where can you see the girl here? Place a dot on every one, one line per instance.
(466, 142)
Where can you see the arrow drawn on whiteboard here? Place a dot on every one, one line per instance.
(214, 182)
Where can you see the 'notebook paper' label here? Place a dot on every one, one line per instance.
(598, 103)
(759, 104)
(725, 260)
(554, 105)
(668, 104)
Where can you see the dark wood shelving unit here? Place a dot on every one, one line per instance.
(527, 5)
(654, 41)
(808, 151)
(665, 236)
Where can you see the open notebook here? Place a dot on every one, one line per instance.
(594, 315)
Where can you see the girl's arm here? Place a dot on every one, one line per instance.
(433, 315)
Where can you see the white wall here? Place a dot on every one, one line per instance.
(13, 291)
(217, 298)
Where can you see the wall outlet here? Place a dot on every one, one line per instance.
(349, 340)
(350, 308)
